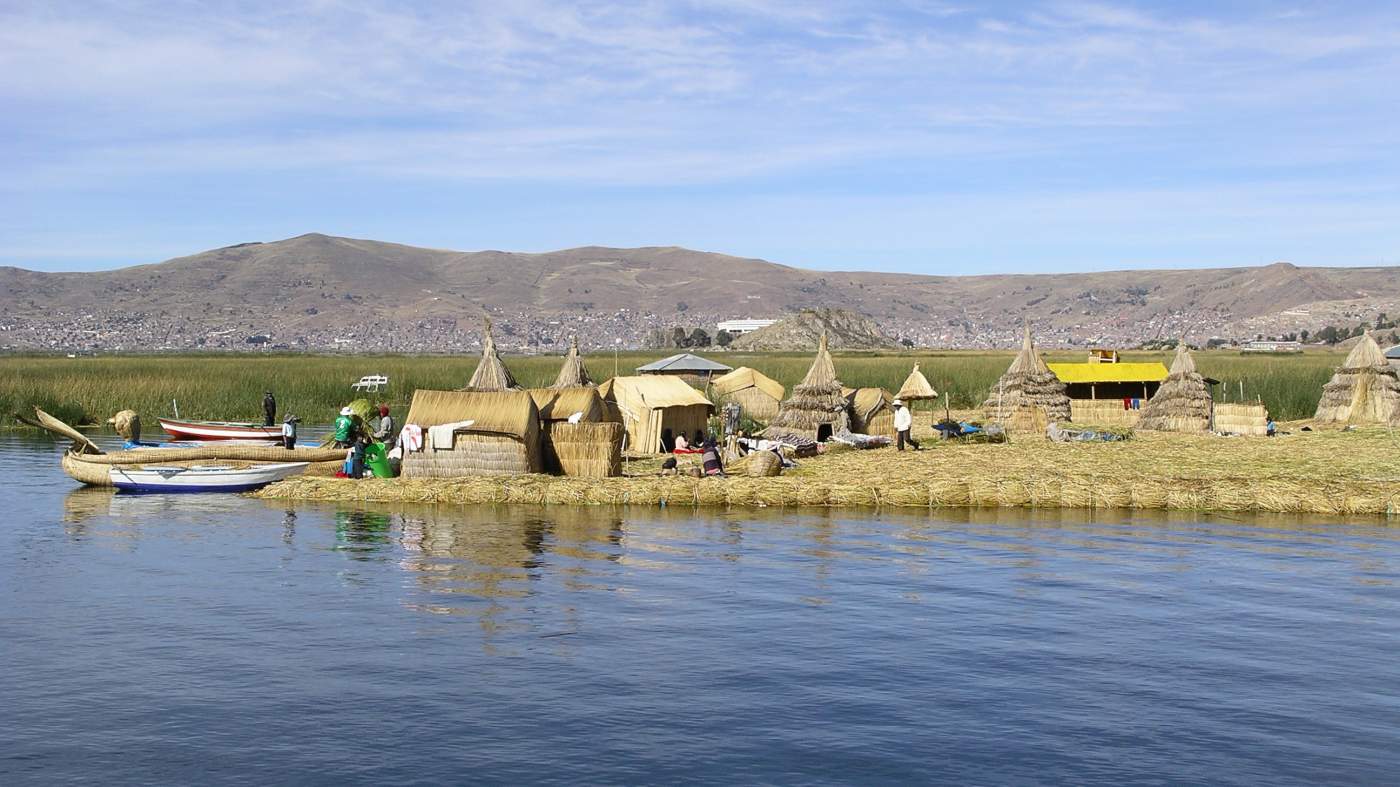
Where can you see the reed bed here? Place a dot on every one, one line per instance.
(90, 390)
(1319, 472)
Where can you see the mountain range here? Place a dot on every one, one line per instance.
(319, 292)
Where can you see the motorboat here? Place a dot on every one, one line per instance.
(201, 478)
(219, 430)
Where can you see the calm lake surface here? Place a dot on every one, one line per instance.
(219, 639)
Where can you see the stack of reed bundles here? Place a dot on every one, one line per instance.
(1242, 419)
(503, 438)
(1028, 382)
(817, 407)
(1183, 402)
(587, 450)
(1103, 412)
(1364, 390)
(472, 454)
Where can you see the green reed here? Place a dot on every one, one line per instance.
(89, 390)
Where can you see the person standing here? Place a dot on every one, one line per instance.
(345, 428)
(269, 409)
(903, 425)
(385, 433)
(289, 432)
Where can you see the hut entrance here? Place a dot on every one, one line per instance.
(823, 433)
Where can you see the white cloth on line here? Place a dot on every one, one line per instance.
(411, 437)
(441, 437)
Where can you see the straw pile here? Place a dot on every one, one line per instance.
(587, 450)
(1364, 390)
(573, 374)
(1183, 402)
(1027, 383)
(128, 425)
(1242, 419)
(1290, 474)
(817, 407)
(491, 374)
(916, 387)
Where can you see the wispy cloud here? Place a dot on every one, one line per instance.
(685, 94)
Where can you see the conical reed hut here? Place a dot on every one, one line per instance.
(916, 387)
(1027, 393)
(817, 408)
(491, 374)
(573, 374)
(1364, 390)
(1183, 402)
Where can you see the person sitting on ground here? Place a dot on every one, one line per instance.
(269, 409)
(681, 443)
(903, 425)
(289, 431)
(669, 467)
(345, 428)
(710, 460)
(385, 432)
(699, 440)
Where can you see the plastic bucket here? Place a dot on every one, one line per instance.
(377, 460)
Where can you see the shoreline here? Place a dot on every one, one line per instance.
(1340, 473)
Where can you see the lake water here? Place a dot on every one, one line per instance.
(220, 639)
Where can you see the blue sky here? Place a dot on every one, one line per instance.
(906, 135)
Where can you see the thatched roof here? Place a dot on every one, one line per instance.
(1028, 382)
(867, 402)
(491, 374)
(500, 412)
(557, 404)
(573, 373)
(652, 391)
(744, 377)
(815, 402)
(916, 386)
(1364, 390)
(1183, 401)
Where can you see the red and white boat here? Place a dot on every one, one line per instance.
(219, 430)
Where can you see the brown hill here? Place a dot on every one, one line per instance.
(310, 290)
(845, 330)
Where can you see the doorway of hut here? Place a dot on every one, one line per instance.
(823, 433)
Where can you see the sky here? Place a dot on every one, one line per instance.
(901, 135)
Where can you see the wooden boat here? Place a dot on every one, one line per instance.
(201, 478)
(219, 430)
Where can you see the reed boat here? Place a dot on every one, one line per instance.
(218, 430)
(200, 478)
(84, 461)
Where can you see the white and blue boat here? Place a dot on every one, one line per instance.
(201, 478)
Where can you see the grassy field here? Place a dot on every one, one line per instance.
(89, 390)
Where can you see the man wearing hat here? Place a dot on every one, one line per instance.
(345, 428)
(289, 431)
(269, 409)
(903, 423)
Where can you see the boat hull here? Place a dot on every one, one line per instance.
(219, 430)
(180, 480)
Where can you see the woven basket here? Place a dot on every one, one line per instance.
(764, 464)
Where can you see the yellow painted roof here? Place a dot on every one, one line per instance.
(1153, 372)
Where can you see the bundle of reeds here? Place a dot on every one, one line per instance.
(1103, 412)
(586, 450)
(1364, 390)
(1183, 402)
(1242, 419)
(491, 374)
(817, 406)
(473, 454)
(1028, 382)
(128, 425)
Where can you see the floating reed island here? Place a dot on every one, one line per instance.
(1325, 472)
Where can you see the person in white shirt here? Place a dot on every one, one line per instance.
(903, 424)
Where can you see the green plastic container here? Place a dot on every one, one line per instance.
(377, 460)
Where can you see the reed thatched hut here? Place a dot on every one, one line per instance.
(502, 438)
(757, 394)
(1183, 402)
(1027, 393)
(491, 374)
(653, 407)
(573, 374)
(1364, 390)
(569, 449)
(817, 408)
(916, 387)
(871, 410)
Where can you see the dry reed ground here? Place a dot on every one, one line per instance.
(1333, 472)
